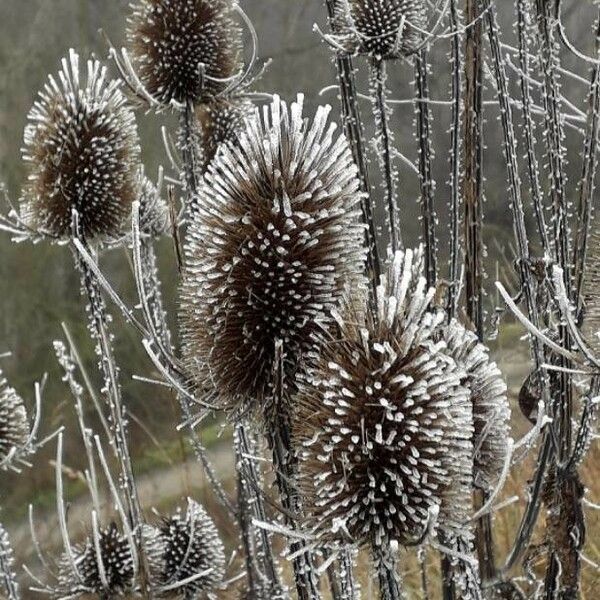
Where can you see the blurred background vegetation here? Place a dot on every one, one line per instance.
(39, 289)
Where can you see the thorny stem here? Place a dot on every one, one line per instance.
(473, 199)
(389, 578)
(354, 130)
(425, 168)
(588, 177)
(7, 579)
(384, 141)
(189, 152)
(529, 125)
(455, 158)
(531, 513)
(99, 328)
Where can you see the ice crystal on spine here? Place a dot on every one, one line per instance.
(274, 238)
(383, 29)
(110, 577)
(184, 49)
(384, 424)
(14, 425)
(81, 151)
(192, 552)
(491, 411)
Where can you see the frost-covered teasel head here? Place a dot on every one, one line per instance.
(274, 239)
(491, 410)
(14, 424)
(192, 553)
(384, 425)
(107, 570)
(155, 218)
(220, 122)
(184, 50)
(81, 152)
(381, 29)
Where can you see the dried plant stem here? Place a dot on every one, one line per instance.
(588, 177)
(385, 149)
(529, 126)
(474, 249)
(424, 137)
(390, 584)
(100, 333)
(455, 162)
(189, 151)
(354, 130)
(8, 582)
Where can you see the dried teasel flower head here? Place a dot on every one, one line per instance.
(382, 29)
(107, 571)
(14, 424)
(384, 425)
(192, 553)
(220, 122)
(155, 218)
(185, 50)
(81, 152)
(491, 410)
(271, 246)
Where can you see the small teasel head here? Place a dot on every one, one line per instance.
(192, 553)
(384, 425)
(381, 29)
(274, 239)
(220, 123)
(104, 566)
(14, 424)
(491, 410)
(81, 152)
(185, 50)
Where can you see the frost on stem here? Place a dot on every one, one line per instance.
(184, 50)
(14, 425)
(8, 581)
(192, 556)
(81, 152)
(382, 29)
(491, 410)
(384, 423)
(273, 240)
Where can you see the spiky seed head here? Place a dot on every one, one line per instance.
(191, 546)
(184, 50)
(382, 29)
(81, 151)
(273, 240)
(14, 425)
(384, 424)
(116, 558)
(491, 410)
(155, 219)
(220, 122)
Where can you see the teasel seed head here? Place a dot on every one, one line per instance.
(155, 218)
(382, 29)
(14, 424)
(81, 151)
(184, 50)
(384, 425)
(491, 410)
(274, 239)
(220, 123)
(191, 546)
(117, 563)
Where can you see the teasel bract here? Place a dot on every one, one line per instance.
(273, 241)
(102, 565)
(14, 425)
(491, 410)
(184, 50)
(82, 153)
(384, 424)
(192, 559)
